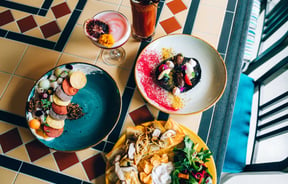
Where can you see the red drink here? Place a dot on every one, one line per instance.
(144, 19)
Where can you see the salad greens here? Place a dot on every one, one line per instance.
(189, 164)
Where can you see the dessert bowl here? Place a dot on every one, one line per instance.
(201, 97)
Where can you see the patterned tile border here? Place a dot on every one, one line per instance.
(60, 44)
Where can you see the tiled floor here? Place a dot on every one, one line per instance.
(37, 35)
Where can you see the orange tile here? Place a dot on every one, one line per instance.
(14, 98)
(36, 62)
(10, 54)
(170, 25)
(176, 6)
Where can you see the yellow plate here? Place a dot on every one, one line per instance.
(193, 136)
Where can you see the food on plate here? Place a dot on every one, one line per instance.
(51, 104)
(178, 73)
(157, 152)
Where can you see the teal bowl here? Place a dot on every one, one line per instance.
(101, 102)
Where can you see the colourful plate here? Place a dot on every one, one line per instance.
(205, 94)
(193, 136)
(101, 103)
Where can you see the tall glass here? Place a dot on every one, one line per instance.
(144, 19)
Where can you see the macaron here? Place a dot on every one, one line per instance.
(78, 79)
(55, 115)
(60, 102)
(62, 95)
(57, 124)
(68, 89)
(52, 132)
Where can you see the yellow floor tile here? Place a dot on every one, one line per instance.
(10, 54)
(35, 3)
(14, 98)
(22, 178)
(209, 19)
(86, 153)
(19, 153)
(47, 162)
(26, 134)
(35, 33)
(36, 62)
(92, 7)
(7, 176)
(77, 171)
(4, 80)
(190, 121)
(5, 127)
(80, 45)
(68, 58)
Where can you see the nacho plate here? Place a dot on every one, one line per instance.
(194, 137)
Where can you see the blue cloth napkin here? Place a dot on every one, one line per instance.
(235, 158)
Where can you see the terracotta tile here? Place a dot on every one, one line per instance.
(26, 23)
(61, 10)
(23, 178)
(94, 166)
(36, 150)
(141, 115)
(14, 98)
(7, 175)
(36, 62)
(65, 160)
(10, 54)
(170, 25)
(13, 136)
(176, 6)
(50, 29)
(4, 79)
(6, 17)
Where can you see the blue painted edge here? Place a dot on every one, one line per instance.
(216, 122)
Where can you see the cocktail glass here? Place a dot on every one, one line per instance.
(112, 23)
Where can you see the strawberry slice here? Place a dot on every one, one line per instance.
(187, 80)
